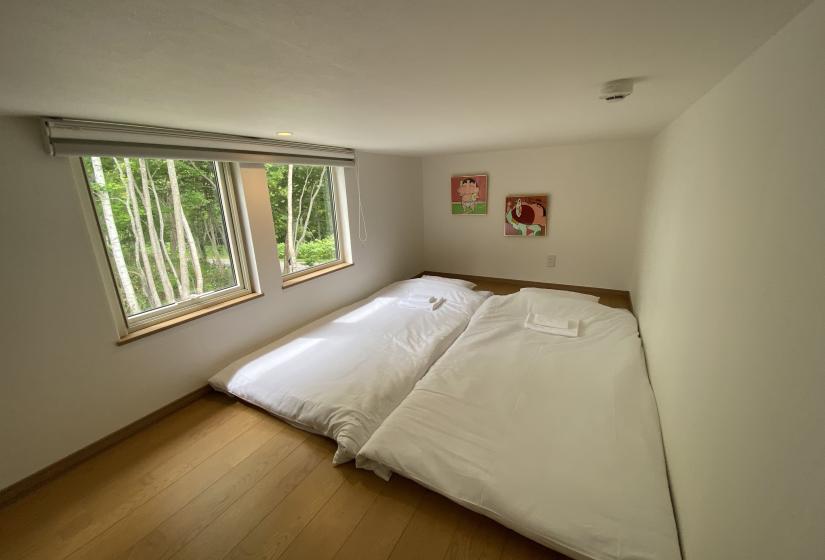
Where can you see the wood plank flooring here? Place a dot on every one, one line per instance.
(222, 480)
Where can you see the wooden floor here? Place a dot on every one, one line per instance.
(220, 479)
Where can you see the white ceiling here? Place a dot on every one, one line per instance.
(414, 76)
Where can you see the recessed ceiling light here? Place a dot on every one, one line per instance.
(283, 133)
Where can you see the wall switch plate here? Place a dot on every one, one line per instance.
(551, 261)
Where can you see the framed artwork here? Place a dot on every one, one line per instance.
(526, 215)
(469, 194)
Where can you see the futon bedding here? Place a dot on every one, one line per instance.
(341, 375)
(555, 437)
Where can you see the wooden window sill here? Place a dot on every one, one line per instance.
(289, 282)
(137, 335)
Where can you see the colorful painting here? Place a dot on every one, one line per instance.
(526, 215)
(468, 194)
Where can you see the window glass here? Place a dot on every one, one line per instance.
(303, 208)
(164, 224)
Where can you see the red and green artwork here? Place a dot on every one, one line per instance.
(525, 215)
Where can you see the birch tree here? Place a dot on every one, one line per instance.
(127, 204)
(209, 225)
(140, 239)
(313, 196)
(298, 219)
(177, 215)
(290, 254)
(157, 251)
(114, 238)
(184, 235)
(161, 232)
(193, 251)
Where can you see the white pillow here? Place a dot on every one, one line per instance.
(456, 281)
(563, 293)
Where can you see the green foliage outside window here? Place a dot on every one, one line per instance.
(162, 251)
(311, 215)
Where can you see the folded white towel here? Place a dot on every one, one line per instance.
(422, 304)
(553, 323)
(548, 325)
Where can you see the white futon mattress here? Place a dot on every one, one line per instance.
(557, 438)
(341, 375)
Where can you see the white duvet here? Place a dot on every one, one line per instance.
(341, 375)
(557, 438)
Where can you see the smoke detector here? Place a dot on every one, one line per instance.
(616, 90)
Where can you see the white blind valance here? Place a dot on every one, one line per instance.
(71, 137)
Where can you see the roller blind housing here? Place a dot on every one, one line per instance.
(71, 137)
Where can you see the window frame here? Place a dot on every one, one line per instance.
(338, 193)
(154, 320)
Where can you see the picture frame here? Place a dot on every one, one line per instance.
(469, 194)
(526, 215)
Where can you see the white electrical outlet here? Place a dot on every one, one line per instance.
(551, 261)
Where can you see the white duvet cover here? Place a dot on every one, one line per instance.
(341, 375)
(557, 438)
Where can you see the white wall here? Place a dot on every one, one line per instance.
(66, 384)
(729, 296)
(594, 193)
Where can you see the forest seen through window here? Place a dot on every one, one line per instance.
(163, 225)
(303, 210)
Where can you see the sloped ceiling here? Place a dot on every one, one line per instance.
(393, 76)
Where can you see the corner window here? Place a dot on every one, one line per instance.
(171, 233)
(305, 211)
